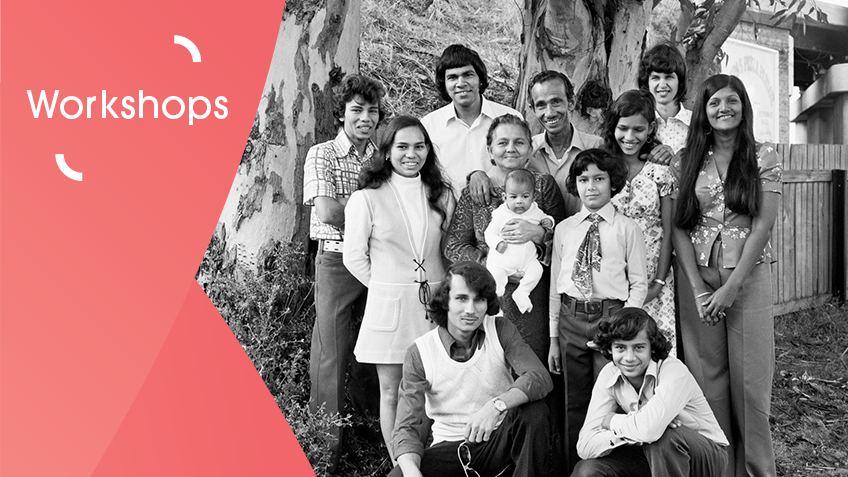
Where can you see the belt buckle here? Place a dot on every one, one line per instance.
(593, 306)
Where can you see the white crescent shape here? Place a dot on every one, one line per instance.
(70, 173)
(189, 45)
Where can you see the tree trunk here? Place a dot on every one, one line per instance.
(578, 37)
(701, 52)
(317, 46)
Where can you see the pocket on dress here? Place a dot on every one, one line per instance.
(383, 312)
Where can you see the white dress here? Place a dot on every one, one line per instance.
(392, 245)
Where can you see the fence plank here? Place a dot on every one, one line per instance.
(787, 254)
(806, 176)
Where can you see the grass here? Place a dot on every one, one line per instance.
(809, 412)
(401, 43)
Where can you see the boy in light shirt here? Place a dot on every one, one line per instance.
(598, 265)
(647, 416)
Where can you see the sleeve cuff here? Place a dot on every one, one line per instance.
(616, 422)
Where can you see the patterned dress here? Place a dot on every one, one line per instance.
(640, 200)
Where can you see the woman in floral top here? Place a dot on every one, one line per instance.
(629, 131)
(724, 211)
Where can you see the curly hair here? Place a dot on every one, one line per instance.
(550, 75)
(605, 161)
(477, 279)
(457, 56)
(370, 89)
(742, 187)
(624, 325)
(664, 58)
(631, 103)
(376, 172)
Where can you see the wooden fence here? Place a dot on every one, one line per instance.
(809, 238)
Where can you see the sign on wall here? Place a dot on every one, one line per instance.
(758, 68)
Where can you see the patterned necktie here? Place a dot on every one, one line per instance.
(588, 258)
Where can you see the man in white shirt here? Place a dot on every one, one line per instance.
(647, 416)
(458, 130)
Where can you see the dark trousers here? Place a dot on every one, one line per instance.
(520, 444)
(679, 452)
(581, 365)
(336, 294)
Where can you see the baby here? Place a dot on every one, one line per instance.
(506, 259)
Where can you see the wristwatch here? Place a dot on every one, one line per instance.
(500, 406)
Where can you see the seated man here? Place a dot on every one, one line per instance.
(666, 427)
(460, 375)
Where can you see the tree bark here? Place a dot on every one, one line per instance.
(598, 44)
(701, 53)
(578, 37)
(317, 46)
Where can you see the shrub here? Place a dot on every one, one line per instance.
(270, 309)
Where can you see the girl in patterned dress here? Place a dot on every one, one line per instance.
(630, 131)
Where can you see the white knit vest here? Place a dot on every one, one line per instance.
(457, 390)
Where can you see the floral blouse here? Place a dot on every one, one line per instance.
(719, 222)
(465, 240)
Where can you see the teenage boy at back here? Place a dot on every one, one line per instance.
(598, 266)
(662, 72)
(458, 130)
(647, 416)
(331, 172)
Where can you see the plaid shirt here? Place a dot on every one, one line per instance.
(331, 170)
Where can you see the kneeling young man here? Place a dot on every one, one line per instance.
(647, 415)
(460, 375)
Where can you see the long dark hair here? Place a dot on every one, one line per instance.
(630, 103)
(742, 186)
(377, 172)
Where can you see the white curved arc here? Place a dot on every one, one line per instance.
(70, 173)
(189, 45)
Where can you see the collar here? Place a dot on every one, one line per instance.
(540, 142)
(683, 116)
(450, 343)
(344, 147)
(607, 213)
(653, 370)
(486, 109)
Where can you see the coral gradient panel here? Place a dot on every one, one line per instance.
(112, 360)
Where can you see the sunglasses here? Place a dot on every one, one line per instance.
(463, 452)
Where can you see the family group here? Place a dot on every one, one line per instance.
(601, 302)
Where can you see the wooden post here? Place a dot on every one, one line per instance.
(840, 244)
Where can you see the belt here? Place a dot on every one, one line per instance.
(590, 307)
(330, 245)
